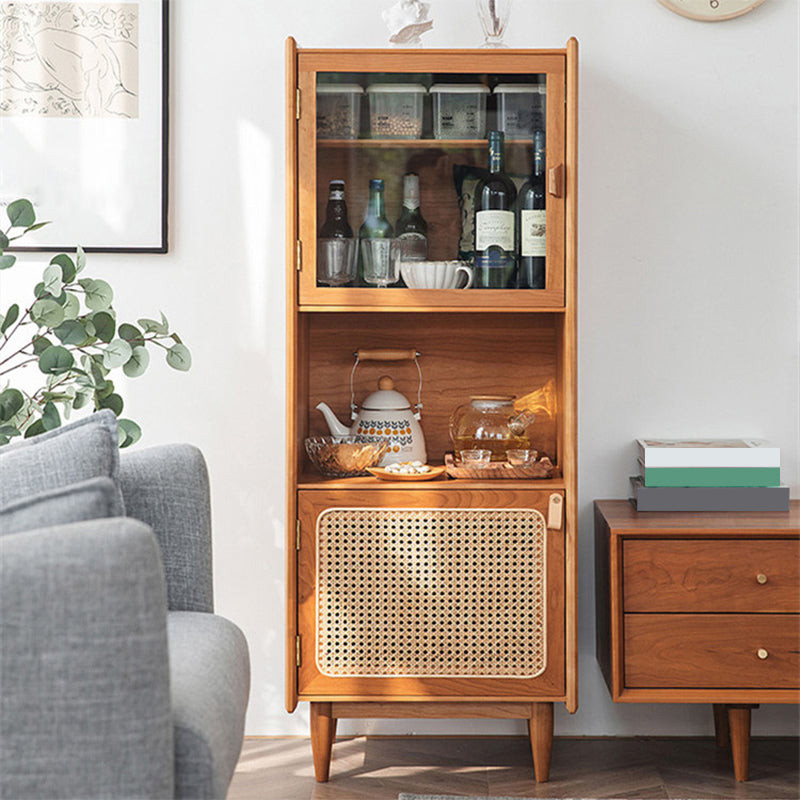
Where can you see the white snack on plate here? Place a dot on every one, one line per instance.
(408, 468)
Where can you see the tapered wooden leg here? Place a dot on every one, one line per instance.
(739, 725)
(321, 739)
(721, 724)
(540, 729)
(333, 730)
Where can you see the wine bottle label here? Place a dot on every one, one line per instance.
(414, 246)
(533, 225)
(494, 228)
(336, 194)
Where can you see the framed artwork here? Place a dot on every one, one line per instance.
(84, 121)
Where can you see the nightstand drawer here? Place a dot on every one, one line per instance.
(723, 575)
(712, 650)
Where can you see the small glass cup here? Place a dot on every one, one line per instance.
(521, 458)
(381, 260)
(476, 458)
(336, 261)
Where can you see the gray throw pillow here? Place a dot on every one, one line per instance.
(95, 498)
(86, 448)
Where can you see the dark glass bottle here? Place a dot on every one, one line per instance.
(375, 226)
(495, 242)
(336, 225)
(411, 229)
(532, 222)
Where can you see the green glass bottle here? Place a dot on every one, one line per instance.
(411, 229)
(375, 235)
(532, 221)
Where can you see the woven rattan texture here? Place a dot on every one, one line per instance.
(431, 592)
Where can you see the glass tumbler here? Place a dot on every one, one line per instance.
(381, 259)
(336, 261)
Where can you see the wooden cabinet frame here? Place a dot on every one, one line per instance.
(533, 333)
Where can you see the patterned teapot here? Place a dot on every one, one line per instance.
(384, 414)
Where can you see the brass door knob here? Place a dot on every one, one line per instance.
(762, 653)
(761, 578)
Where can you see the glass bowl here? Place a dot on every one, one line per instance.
(476, 458)
(344, 456)
(521, 458)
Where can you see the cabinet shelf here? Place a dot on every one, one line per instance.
(415, 144)
(311, 480)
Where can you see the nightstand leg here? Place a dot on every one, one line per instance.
(540, 729)
(721, 724)
(333, 730)
(321, 739)
(739, 724)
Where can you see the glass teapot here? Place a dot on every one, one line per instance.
(490, 422)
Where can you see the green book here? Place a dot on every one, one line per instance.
(711, 476)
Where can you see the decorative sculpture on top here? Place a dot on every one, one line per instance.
(407, 20)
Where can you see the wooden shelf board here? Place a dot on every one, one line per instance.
(415, 144)
(309, 480)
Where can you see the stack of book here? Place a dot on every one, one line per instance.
(709, 475)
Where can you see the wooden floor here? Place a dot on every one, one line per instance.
(379, 768)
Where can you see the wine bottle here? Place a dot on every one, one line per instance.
(532, 222)
(495, 242)
(411, 229)
(335, 247)
(374, 228)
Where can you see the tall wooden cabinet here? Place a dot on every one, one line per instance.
(447, 598)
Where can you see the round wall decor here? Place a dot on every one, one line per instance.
(711, 10)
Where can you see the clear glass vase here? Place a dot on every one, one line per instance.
(493, 16)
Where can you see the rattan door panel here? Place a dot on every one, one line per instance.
(430, 594)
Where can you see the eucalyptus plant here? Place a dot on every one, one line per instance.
(69, 331)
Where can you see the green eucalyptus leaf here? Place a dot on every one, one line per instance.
(9, 431)
(175, 338)
(7, 261)
(71, 306)
(35, 429)
(152, 326)
(55, 360)
(81, 399)
(130, 333)
(10, 318)
(71, 331)
(36, 226)
(11, 402)
(179, 357)
(40, 344)
(80, 259)
(39, 290)
(47, 313)
(21, 214)
(3, 241)
(50, 416)
(103, 390)
(137, 363)
(67, 266)
(129, 432)
(53, 279)
(116, 354)
(99, 295)
(114, 402)
(104, 326)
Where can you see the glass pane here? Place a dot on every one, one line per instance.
(404, 180)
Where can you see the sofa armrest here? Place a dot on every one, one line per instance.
(167, 487)
(85, 692)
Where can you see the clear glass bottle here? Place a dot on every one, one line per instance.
(411, 228)
(532, 222)
(495, 242)
(375, 265)
(336, 248)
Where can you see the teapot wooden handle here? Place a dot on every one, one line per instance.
(386, 355)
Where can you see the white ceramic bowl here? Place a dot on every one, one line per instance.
(436, 274)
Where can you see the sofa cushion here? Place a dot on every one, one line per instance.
(91, 499)
(86, 448)
(209, 683)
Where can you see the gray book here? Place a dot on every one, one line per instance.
(708, 498)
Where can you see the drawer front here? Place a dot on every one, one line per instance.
(712, 651)
(704, 575)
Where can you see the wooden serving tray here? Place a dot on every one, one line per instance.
(543, 468)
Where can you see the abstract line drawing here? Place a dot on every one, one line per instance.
(62, 59)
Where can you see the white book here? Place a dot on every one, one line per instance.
(708, 453)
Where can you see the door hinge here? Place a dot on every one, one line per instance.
(299, 256)
(297, 649)
(297, 541)
(297, 104)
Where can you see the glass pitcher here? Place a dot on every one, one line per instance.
(490, 422)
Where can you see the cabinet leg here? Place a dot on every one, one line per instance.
(333, 730)
(540, 730)
(721, 724)
(739, 725)
(322, 734)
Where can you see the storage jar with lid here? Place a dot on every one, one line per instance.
(520, 109)
(395, 110)
(338, 110)
(459, 110)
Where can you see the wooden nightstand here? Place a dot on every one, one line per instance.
(700, 608)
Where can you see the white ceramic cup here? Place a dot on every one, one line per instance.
(435, 274)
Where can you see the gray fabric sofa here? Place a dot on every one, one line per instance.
(118, 680)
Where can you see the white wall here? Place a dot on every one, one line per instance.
(688, 310)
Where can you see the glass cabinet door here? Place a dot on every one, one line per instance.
(431, 179)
